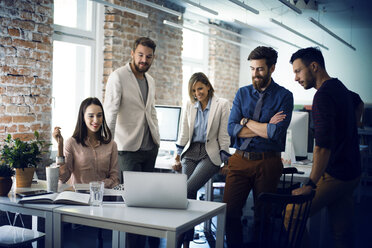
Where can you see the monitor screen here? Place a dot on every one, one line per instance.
(169, 119)
(299, 128)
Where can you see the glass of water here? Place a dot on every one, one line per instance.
(96, 193)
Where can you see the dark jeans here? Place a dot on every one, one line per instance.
(244, 175)
(138, 161)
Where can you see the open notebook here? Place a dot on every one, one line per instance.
(157, 190)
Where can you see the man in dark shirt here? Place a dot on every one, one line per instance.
(259, 135)
(336, 168)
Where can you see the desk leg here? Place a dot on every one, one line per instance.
(115, 239)
(48, 229)
(57, 231)
(208, 197)
(118, 239)
(34, 227)
(122, 239)
(171, 239)
(220, 232)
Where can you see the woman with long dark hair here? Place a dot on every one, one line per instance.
(90, 154)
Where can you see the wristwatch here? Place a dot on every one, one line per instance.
(311, 183)
(60, 160)
(245, 121)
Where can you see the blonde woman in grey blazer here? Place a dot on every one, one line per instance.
(203, 136)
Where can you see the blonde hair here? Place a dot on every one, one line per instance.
(199, 77)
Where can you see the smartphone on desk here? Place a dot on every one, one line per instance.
(113, 199)
(84, 191)
(33, 193)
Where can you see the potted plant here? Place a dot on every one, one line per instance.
(6, 182)
(23, 156)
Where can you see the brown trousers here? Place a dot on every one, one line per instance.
(244, 175)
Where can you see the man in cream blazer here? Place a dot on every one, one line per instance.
(130, 110)
(131, 116)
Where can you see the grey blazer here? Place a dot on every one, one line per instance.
(125, 111)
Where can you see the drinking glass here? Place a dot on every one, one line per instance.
(96, 193)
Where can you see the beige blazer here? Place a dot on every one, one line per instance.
(217, 137)
(125, 111)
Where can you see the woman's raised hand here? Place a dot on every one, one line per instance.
(57, 134)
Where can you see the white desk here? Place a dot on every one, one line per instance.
(165, 223)
(164, 162)
(305, 168)
(10, 203)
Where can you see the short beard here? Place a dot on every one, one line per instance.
(263, 84)
(141, 70)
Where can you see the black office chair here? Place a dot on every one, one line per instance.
(286, 187)
(283, 219)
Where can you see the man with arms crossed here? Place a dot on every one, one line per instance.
(336, 168)
(258, 130)
(131, 115)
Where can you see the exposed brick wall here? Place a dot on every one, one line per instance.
(25, 68)
(224, 64)
(122, 28)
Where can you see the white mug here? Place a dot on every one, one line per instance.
(52, 175)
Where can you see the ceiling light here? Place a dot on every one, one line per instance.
(201, 7)
(118, 7)
(159, 7)
(175, 25)
(297, 33)
(265, 33)
(233, 33)
(291, 6)
(243, 5)
(331, 33)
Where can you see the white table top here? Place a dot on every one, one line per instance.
(306, 168)
(164, 162)
(12, 199)
(161, 219)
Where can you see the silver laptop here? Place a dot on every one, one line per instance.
(156, 190)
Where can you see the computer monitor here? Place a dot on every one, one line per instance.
(299, 128)
(169, 120)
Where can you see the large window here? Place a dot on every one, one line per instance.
(194, 57)
(75, 76)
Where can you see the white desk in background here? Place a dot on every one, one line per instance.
(164, 162)
(167, 153)
(305, 169)
(165, 223)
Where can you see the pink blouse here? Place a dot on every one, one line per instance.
(84, 164)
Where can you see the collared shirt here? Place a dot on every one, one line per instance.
(277, 99)
(201, 122)
(200, 125)
(84, 164)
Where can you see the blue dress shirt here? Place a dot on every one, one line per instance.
(277, 99)
(200, 126)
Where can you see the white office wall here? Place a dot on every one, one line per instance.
(351, 67)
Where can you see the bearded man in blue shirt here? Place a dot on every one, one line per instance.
(258, 124)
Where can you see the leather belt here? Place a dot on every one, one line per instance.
(257, 155)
